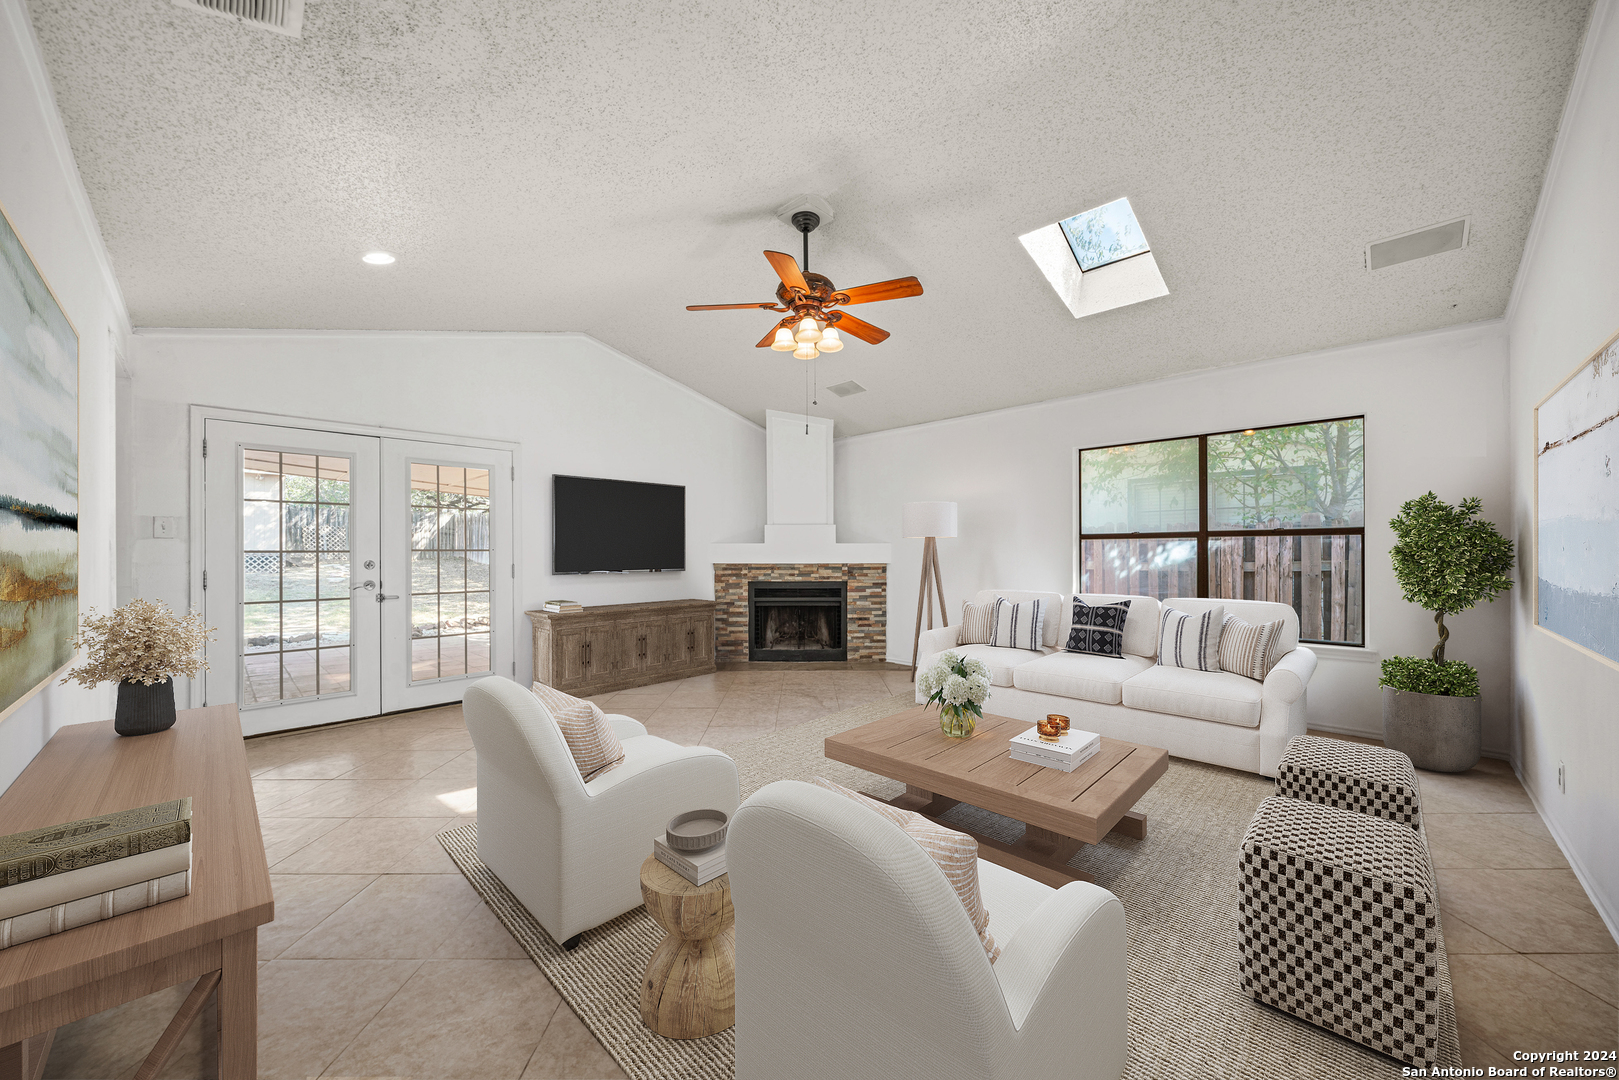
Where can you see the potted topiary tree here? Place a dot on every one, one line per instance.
(1446, 559)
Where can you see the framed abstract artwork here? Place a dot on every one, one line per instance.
(1577, 506)
(39, 477)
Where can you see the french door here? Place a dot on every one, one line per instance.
(351, 575)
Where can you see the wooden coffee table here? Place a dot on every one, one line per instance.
(1062, 811)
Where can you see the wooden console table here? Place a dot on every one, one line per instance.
(211, 935)
(616, 646)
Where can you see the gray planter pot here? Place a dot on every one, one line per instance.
(144, 710)
(1438, 733)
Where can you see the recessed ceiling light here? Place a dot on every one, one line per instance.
(377, 258)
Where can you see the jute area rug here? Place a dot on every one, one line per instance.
(1188, 1015)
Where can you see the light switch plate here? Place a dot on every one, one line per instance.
(163, 527)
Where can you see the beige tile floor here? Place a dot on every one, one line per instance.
(383, 962)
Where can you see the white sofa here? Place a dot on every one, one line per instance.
(855, 957)
(1215, 716)
(571, 852)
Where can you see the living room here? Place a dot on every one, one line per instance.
(551, 190)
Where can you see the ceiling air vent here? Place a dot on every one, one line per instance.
(282, 16)
(847, 389)
(1418, 244)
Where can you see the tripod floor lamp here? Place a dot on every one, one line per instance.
(928, 520)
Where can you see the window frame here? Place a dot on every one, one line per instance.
(1203, 533)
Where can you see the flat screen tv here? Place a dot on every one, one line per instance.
(603, 526)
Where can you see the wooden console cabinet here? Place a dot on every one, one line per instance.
(617, 646)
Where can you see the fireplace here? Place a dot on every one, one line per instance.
(797, 620)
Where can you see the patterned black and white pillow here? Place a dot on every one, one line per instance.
(1190, 641)
(1017, 626)
(1098, 629)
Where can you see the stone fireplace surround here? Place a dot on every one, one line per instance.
(867, 630)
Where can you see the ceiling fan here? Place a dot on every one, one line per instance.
(810, 326)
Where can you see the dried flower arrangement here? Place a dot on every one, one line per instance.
(141, 642)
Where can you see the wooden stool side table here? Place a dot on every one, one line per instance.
(690, 985)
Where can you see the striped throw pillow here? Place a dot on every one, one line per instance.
(1190, 641)
(1098, 629)
(976, 621)
(955, 853)
(590, 737)
(1250, 648)
(1017, 626)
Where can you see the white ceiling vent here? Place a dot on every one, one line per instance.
(1417, 244)
(282, 16)
(847, 389)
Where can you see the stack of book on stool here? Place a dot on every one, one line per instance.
(1071, 750)
(697, 867)
(64, 876)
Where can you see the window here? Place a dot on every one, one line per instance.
(1273, 513)
(1097, 260)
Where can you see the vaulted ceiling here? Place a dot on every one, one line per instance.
(576, 165)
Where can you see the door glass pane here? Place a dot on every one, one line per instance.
(1143, 488)
(449, 581)
(294, 551)
(1317, 576)
(1306, 476)
(1158, 568)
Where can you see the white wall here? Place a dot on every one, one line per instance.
(1435, 407)
(41, 191)
(575, 406)
(1565, 305)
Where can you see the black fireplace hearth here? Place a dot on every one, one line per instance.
(797, 620)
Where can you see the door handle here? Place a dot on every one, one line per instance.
(384, 596)
(365, 585)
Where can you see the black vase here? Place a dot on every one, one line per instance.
(144, 709)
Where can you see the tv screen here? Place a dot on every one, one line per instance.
(608, 525)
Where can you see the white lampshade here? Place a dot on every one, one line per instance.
(784, 340)
(929, 519)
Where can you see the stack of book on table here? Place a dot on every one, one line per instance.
(1069, 752)
(564, 607)
(57, 878)
(697, 867)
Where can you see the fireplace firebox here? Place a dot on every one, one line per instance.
(797, 620)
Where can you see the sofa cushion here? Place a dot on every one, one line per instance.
(1080, 676)
(1141, 628)
(976, 622)
(1000, 662)
(1018, 626)
(1250, 649)
(591, 741)
(1097, 628)
(1190, 641)
(1203, 695)
(1054, 627)
(955, 854)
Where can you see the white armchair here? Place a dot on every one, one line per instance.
(572, 851)
(854, 956)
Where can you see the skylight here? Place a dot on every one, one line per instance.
(1104, 235)
(1097, 260)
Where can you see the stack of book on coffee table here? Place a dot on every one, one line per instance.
(64, 876)
(1071, 750)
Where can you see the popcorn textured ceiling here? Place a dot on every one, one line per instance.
(576, 165)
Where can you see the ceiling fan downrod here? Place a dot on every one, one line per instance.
(805, 222)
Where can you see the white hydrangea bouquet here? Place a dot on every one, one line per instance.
(958, 685)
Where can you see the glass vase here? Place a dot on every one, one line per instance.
(957, 721)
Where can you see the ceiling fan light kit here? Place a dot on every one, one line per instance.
(809, 326)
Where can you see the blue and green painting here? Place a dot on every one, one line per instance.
(39, 477)
(1578, 516)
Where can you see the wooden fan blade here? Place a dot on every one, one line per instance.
(861, 329)
(882, 290)
(727, 307)
(786, 268)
